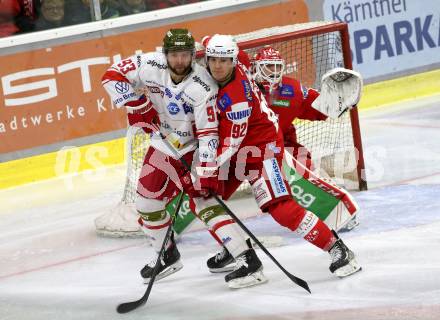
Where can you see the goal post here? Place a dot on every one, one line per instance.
(310, 50)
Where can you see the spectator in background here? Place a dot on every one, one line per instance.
(162, 4)
(127, 7)
(16, 16)
(51, 15)
(81, 12)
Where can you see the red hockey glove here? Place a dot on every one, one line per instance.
(192, 188)
(207, 176)
(140, 113)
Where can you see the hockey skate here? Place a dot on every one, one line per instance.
(169, 264)
(223, 261)
(248, 271)
(343, 260)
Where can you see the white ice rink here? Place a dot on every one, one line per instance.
(53, 266)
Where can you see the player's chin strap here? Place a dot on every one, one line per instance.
(340, 91)
(300, 282)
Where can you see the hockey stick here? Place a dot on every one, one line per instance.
(300, 282)
(130, 306)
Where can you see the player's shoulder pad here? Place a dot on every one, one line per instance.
(290, 87)
(202, 84)
(153, 61)
(243, 85)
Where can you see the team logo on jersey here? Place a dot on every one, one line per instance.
(281, 103)
(247, 89)
(238, 115)
(173, 108)
(286, 90)
(224, 102)
(305, 92)
(122, 87)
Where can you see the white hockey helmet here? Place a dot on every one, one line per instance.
(222, 46)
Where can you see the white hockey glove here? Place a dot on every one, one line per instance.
(340, 91)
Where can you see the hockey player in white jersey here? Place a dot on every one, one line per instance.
(181, 101)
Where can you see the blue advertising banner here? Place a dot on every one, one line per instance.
(388, 36)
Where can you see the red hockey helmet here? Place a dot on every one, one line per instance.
(268, 67)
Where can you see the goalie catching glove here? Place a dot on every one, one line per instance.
(340, 91)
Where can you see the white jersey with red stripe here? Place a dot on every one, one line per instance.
(183, 109)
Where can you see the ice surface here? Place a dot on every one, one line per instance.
(53, 266)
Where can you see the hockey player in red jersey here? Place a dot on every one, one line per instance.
(287, 97)
(251, 147)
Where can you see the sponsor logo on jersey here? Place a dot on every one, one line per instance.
(187, 108)
(122, 87)
(173, 108)
(286, 90)
(247, 89)
(281, 103)
(224, 102)
(156, 90)
(138, 61)
(305, 92)
(157, 65)
(183, 133)
(275, 177)
(307, 224)
(203, 84)
(168, 93)
(238, 115)
(213, 144)
(261, 192)
(226, 240)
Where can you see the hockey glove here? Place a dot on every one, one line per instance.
(140, 113)
(340, 91)
(200, 186)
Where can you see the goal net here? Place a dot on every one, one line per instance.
(310, 50)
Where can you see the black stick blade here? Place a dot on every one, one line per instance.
(303, 284)
(130, 306)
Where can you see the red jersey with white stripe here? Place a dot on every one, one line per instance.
(246, 123)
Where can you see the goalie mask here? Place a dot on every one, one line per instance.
(222, 46)
(268, 67)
